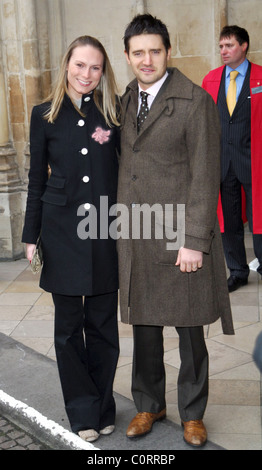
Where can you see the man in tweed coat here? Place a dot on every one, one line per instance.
(173, 162)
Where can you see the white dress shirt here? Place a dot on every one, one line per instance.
(152, 91)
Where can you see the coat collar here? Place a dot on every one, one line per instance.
(176, 85)
(87, 98)
(245, 91)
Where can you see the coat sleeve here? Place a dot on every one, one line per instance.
(203, 143)
(38, 175)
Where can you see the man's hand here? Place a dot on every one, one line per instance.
(189, 260)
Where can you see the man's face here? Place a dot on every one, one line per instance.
(232, 53)
(148, 58)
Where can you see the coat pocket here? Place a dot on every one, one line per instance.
(55, 191)
(169, 234)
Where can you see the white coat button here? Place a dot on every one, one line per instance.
(87, 206)
(86, 179)
(87, 98)
(81, 122)
(84, 151)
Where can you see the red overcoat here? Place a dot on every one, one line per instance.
(211, 84)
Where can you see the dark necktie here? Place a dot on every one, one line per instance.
(143, 112)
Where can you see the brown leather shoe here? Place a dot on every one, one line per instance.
(195, 433)
(142, 423)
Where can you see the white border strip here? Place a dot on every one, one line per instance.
(45, 424)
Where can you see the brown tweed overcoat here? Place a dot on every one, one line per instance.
(174, 160)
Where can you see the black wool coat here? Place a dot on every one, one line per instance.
(70, 208)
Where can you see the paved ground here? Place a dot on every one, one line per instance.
(33, 401)
(28, 371)
(13, 437)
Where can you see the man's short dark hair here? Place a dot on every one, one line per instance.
(240, 34)
(146, 24)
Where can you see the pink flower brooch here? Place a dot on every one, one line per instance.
(100, 135)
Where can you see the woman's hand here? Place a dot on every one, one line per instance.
(30, 249)
(189, 260)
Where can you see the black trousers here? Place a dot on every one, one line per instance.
(148, 376)
(87, 350)
(233, 236)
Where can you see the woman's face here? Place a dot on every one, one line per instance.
(84, 70)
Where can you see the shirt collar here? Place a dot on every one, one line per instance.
(241, 69)
(154, 89)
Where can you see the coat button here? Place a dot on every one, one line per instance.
(84, 151)
(85, 179)
(81, 122)
(87, 206)
(87, 99)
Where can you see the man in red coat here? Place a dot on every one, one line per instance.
(241, 151)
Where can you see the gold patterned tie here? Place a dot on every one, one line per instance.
(232, 92)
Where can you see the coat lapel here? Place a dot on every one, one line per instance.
(245, 92)
(129, 105)
(175, 86)
(222, 100)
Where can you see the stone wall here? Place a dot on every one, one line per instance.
(24, 79)
(33, 37)
(194, 26)
(248, 14)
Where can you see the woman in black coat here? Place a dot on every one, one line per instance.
(72, 186)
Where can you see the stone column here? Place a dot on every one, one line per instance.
(195, 28)
(10, 205)
(139, 7)
(4, 133)
(57, 33)
(10, 184)
(22, 86)
(220, 20)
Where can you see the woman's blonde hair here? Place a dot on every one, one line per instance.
(105, 95)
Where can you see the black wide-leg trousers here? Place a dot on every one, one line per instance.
(148, 375)
(87, 350)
